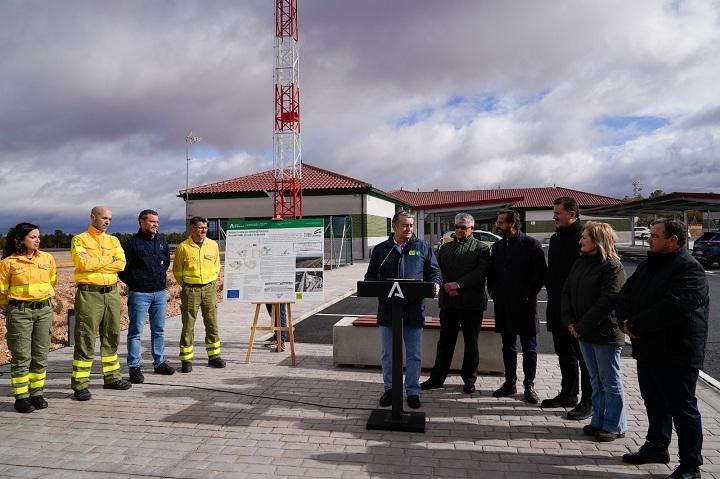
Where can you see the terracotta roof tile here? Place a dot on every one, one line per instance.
(525, 197)
(313, 178)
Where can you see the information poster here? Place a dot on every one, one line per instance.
(274, 260)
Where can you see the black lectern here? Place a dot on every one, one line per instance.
(397, 291)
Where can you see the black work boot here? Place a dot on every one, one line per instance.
(82, 395)
(118, 384)
(186, 366)
(24, 405)
(216, 362)
(38, 401)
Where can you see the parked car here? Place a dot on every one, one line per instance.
(485, 236)
(706, 248)
(641, 232)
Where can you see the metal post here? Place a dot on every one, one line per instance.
(71, 326)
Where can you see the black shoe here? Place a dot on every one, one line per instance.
(413, 401)
(82, 395)
(582, 411)
(165, 369)
(24, 405)
(606, 436)
(590, 430)
(468, 387)
(506, 389)
(39, 402)
(118, 384)
(429, 384)
(560, 401)
(136, 376)
(386, 398)
(186, 366)
(647, 454)
(530, 395)
(685, 472)
(216, 363)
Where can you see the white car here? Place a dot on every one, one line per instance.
(641, 232)
(485, 236)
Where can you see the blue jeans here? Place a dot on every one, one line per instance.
(412, 337)
(283, 320)
(139, 306)
(608, 402)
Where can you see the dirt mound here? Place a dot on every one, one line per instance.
(65, 299)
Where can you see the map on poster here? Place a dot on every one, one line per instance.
(274, 260)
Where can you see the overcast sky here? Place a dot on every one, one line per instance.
(96, 98)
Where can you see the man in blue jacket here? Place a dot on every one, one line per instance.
(403, 256)
(148, 259)
(664, 308)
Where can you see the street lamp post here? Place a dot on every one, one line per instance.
(189, 140)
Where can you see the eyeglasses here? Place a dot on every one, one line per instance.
(201, 228)
(462, 228)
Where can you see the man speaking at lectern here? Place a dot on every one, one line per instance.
(403, 256)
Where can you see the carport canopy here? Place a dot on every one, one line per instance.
(676, 202)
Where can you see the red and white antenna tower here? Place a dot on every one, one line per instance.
(287, 162)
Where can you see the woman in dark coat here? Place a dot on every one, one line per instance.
(588, 311)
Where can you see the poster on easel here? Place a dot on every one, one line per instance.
(274, 260)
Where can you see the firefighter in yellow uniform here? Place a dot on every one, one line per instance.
(196, 267)
(27, 278)
(97, 258)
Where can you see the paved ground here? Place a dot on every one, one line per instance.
(269, 419)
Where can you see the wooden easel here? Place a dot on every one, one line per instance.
(274, 326)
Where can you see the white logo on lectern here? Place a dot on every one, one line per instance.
(396, 290)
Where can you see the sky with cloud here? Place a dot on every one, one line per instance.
(96, 98)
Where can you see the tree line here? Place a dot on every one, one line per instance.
(60, 239)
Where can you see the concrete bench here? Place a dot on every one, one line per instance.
(356, 342)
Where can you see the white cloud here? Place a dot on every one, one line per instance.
(96, 100)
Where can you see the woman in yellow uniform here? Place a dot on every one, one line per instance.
(27, 278)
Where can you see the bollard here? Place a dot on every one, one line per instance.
(71, 326)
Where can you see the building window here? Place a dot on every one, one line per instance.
(213, 229)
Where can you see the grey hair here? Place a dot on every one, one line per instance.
(401, 214)
(466, 217)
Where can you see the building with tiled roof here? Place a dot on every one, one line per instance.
(350, 205)
(366, 211)
(521, 198)
(436, 209)
(315, 181)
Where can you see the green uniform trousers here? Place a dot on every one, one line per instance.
(203, 298)
(28, 339)
(96, 311)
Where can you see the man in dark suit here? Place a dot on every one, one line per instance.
(517, 273)
(664, 307)
(563, 251)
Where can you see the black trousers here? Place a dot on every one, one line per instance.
(571, 359)
(669, 395)
(529, 350)
(451, 321)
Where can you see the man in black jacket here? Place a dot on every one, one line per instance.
(517, 273)
(463, 263)
(664, 309)
(563, 251)
(148, 259)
